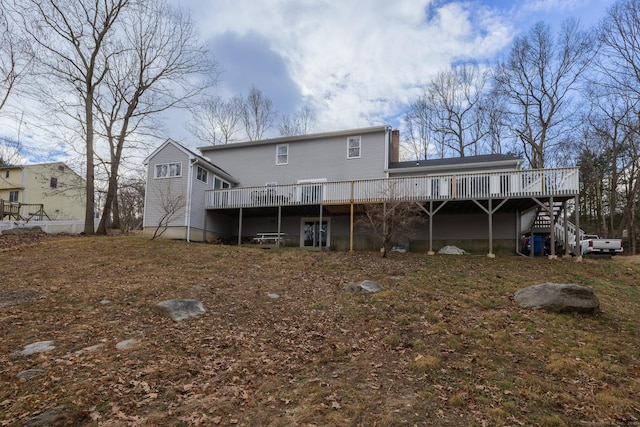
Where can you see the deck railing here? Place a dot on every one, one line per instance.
(464, 186)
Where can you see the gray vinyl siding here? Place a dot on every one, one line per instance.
(159, 188)
(318, 158)
(198, 212)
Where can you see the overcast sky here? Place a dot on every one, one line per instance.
(356, 62)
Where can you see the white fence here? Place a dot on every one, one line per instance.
(52, 227)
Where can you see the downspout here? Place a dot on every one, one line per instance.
(146, 192)
(189, 189)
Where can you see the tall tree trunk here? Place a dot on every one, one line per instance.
(89, 217)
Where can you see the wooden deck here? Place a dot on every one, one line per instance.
(561, 182)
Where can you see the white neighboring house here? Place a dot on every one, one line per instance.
(308, 189)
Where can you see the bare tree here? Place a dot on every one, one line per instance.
(9, 151)
(495, 120)
(258, 114)
(393, 219)
(14, 59)
(159, 56)
(73, 49)
(456, 95)
(301, 123)
(131, 202)
(620, 37)
(619, 80)
(419, 120)
(538, 79)
(217, 121)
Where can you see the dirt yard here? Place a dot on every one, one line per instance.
(444, 343)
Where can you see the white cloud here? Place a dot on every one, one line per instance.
(357, 63)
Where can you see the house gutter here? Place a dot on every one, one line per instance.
(475, 168)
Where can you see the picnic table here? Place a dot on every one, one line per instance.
(275, 238)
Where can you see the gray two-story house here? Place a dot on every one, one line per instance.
(308, 191)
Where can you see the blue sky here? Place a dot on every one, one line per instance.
(354, 62)
(357, 62)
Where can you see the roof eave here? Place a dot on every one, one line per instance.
(460, 166)
(297, 138)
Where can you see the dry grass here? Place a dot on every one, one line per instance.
(443, 344)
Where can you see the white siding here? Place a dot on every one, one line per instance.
(198, 212)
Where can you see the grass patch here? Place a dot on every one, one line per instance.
(444, 344)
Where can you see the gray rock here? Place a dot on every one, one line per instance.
(364, 287)
(90, 349)
(30, 373)
(452, 250)
(127, 344)
(36, 347)
(559, 298)
(180, 309)
(23, 230)
(47, 418)
(273, 296)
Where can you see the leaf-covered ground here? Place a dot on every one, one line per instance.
(443, 344)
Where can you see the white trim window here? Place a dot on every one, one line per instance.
(168, 170)
(202, 174)
(220, 183)
(13, 196)
(353, 147)
(282, 154)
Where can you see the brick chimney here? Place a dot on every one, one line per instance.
(395, 146)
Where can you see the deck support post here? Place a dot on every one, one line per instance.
(279, 224)
(491, 254)
(490, 210)
(351, 221)
(566, 230)
(552, 231)
(431, 212)
(578, 248)
(320, 229)
(240, 227)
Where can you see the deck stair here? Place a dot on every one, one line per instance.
(541, 224)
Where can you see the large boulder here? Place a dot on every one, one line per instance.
(180, 309)
(559, 298)
(36, 347)
(452, 250)
(364, 287)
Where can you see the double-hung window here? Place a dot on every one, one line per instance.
(202, 174)
(353, 147)
(282, 154)
(168, 170)
(13, 195)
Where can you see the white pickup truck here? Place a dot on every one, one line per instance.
(592, 244)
